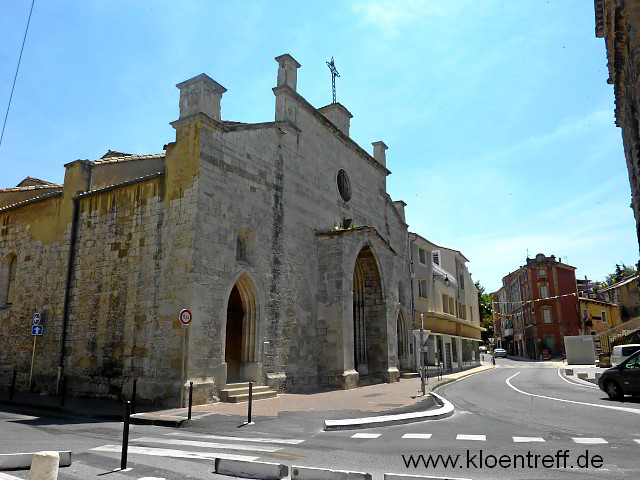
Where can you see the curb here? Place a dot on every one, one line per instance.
(311, 473)
(22, 461)
(246, 469)
(451, 380)
(446, 410)
(158, 421)
(6, 476)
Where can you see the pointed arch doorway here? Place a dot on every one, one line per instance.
(402, 331)
(241, 333)
(369, 321)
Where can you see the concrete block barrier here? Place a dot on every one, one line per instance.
(22, 461)
(310, 473)
(401, 476)
(598, 375)
(568, 371)
(44, 466)
(247, 469)
(582, 375)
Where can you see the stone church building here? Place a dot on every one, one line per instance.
(278, 236)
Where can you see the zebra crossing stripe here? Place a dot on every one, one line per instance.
(366, 435)
(479, 438)
(425, 436)
(589, 441)
(282, 441)
(194, 443)
(637, 440)
(167, 452)
(527, 439)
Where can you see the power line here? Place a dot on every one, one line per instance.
(16, 75)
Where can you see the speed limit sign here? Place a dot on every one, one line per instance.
(185, 317)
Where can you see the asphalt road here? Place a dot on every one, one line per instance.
(511, 413)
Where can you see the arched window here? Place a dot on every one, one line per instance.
(13, 265)
(241, 250)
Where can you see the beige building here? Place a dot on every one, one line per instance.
(598, 316)
(446, 299)
(625, 294)
(279, 237)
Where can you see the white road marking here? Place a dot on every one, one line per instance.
(152, 478)
(417, 435)
(527, 439)
(637, 440)
(366, 435)
(221, 446)
(479, 438)
(577, 384)
(609, 407)
(282, 441)
(589, 441)
(166, 452)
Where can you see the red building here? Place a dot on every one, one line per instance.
(538, 305)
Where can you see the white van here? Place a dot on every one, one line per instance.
(621, 352)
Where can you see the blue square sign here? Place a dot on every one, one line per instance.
(37, 329)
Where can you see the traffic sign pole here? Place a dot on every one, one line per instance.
(184, 351)
(33, 357)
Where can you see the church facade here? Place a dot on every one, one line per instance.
(279, 237)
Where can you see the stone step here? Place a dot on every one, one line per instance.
(244, 397)
(369, 380)
(409, 375)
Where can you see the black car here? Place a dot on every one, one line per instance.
(623, 379)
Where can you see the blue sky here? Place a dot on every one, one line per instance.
(497, 114)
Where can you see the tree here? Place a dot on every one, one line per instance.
(622, 271)
(486, 317)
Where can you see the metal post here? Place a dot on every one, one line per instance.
(133, 396)
(190, 398)
(12, 389)
(125, 435)
(184, 353)
(33, 357)
(421, 354)
(63, 394)
(250, 401)
(493, 359)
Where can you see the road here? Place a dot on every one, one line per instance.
(514, 412)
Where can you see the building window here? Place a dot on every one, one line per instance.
(11, 280)
(470, 314)
(542, 272)
(422, 288)
(422, 253)
(461, 282)
(544, 291)
(452, 306)
(241, 250)
(604, 316)
(344, 186)
(435, 257)
(546, 315)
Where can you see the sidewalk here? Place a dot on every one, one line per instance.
(400, 397)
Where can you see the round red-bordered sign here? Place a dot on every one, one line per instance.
(185, 317)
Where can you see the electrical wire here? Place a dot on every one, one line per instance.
(16, 75)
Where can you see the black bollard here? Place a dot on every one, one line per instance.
(12, 388)
(190, 399)
(63, 393)
(250, 401)
(125, 435)
(493, 359)
(133, 396)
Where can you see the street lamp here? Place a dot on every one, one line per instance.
(447, 282)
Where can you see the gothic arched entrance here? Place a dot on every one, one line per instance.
(403, 341)
(241, 332)
(369, 319)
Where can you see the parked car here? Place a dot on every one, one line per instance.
(623, 379)
(621, 352)
(499, 352)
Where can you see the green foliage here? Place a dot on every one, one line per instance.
(484, 304)
(622, 271)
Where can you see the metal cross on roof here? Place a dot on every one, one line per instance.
(334, 74)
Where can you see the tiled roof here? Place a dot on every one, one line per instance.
(31, 200)
(620, 283)
(127, 158)
(114, 153)
(31, 187)
(122, 184)
(36, 180)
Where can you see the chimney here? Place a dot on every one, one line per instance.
(287, 71)
(337, 114)
(399, 204)
(200, 94)
(379, 152)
